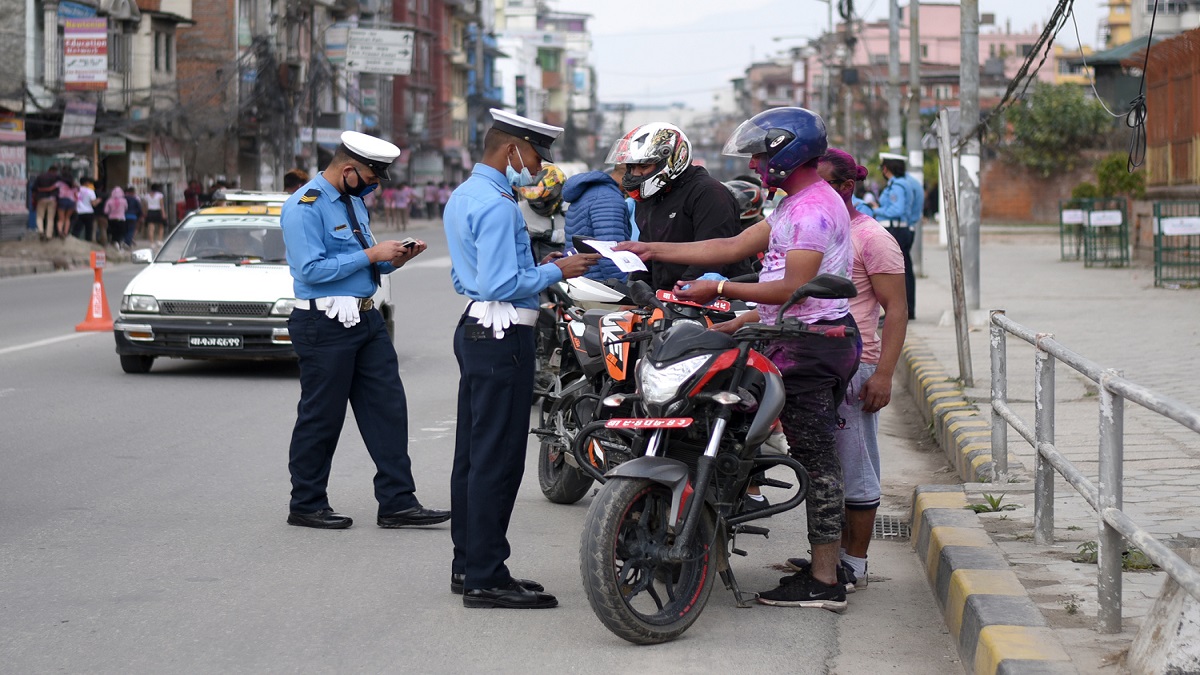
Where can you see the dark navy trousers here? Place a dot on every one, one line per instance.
(359, 365)
(495, 392)
(905, 237)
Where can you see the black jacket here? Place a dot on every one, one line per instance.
(696, 206)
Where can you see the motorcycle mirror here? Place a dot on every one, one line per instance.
(641, 293)
(824, 286)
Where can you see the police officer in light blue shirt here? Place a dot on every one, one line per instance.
(899, 211)
(341, 339)
(493, 266)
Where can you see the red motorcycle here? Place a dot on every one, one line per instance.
(665, 522)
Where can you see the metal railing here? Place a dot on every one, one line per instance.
(1106, 498)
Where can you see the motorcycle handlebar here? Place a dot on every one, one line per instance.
(791, 329)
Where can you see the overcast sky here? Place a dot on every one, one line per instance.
(661, 51)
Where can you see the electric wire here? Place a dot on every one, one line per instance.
(1136, 119)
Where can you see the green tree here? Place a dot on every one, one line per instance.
(1052, 126)
(1112, 174)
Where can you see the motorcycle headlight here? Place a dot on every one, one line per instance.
(660, 384)
(283, 307)
(139, 303)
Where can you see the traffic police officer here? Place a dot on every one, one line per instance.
(899, 210)
(341, 339)
(492, 264)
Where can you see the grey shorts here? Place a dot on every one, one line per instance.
(858, 445)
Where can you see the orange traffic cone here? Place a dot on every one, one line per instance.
(98, 317)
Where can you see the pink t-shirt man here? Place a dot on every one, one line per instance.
(813, 219)
(875, 252)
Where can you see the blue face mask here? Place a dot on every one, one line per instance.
(518, 180)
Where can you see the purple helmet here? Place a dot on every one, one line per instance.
(788, 136)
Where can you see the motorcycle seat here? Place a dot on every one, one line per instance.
(591, 336)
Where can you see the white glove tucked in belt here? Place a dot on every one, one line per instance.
(343, 308)
(498, 316)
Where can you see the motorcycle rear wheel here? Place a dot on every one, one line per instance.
(634, 593)
(561, 482)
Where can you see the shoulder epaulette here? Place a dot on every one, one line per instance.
(509, 196)
(310, 196)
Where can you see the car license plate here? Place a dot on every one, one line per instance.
(649, 423)
(222, 342)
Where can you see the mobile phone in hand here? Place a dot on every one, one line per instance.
(408, 242)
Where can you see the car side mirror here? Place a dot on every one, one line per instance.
(143, 256)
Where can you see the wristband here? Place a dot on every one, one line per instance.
(721, 287)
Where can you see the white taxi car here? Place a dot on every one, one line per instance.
(218, 289)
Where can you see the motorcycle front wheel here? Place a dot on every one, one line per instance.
(634, 592)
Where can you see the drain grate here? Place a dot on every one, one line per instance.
(895, 528)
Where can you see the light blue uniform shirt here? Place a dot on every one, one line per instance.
(893, 204)
(490, 255)
(324, 255)
(863, 207)
(916, 199)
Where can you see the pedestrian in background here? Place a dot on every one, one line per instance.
(67, 192)
(341, 339)
(430, 195)
(899, 212)
(597, 212)
(388, 199)
(114, 210)
(443, 197)
(45, 194)
(85, 211)
(155, 223)
(292, 180)
(133, 214)
(492, 264)
(404, 199)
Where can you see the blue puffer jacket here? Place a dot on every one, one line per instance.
(597, 211)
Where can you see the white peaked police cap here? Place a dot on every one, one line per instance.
(376, 153)
(539, 135)
(892, 155)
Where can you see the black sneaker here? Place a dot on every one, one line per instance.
(802, 590)
(845, 573)
(749, 504)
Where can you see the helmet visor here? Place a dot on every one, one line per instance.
(637, 151)
(748, 140)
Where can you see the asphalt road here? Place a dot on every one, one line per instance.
(143, 531)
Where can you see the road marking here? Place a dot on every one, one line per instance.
(443, 261)
(47, 341)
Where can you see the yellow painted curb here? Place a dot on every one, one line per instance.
(964, 583)
(941, 537)
(966, 425)
(936, 500)
(938, 395)
(1001, 643)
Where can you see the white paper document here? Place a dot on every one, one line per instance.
(625, 260)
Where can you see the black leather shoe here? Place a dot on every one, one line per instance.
(511, 596)
(417, 515)
(325, 519)
(456, 584)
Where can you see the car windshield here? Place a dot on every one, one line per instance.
(237, 239)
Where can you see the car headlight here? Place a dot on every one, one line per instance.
(139, 303)
(660, 384)
(283, 307)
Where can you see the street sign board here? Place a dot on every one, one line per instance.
(85, 54)
(386, 52)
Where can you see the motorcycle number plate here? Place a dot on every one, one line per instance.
(649, 423)
(717, 304)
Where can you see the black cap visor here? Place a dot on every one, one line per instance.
(380, 168)
(540, 142)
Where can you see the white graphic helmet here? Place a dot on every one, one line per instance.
(658, 143)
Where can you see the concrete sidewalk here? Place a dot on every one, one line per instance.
(1116, 318)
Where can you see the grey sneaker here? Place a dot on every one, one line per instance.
(845, 573)
(802, 590)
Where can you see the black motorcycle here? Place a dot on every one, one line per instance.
(666, 522)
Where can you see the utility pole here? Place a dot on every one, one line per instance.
(916, 154)
(894, 139)
(968, 175)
